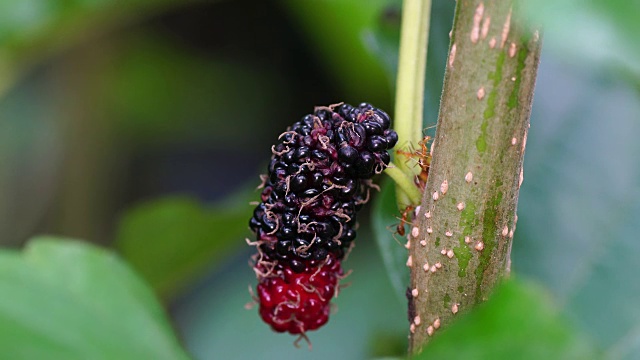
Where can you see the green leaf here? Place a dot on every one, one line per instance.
(172, 240)
(579, 203)
(384, 219)
(338, 32)
(518, 322)
(69, 300)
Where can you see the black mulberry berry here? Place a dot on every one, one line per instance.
(318, 178)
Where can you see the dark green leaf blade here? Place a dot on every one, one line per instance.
(71, 300)
(384, 218)
(342, 27)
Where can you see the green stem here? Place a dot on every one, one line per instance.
(412, 62)
(404, 183)
(465, 241)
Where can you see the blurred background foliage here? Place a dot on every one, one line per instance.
(142, 126)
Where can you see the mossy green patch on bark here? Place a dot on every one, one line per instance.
(522, 58)
(495, 76)
(489, 233)
(463, 255)
(490, 111)
(447, 301)
(468, 218)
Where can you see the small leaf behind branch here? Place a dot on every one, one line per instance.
(172, 240)
(394, 255)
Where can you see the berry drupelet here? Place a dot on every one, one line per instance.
(318, 178)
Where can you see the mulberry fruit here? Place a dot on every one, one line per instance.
(318, 178)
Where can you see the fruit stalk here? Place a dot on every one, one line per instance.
(412, 62)
(404, 183)
(461, 245)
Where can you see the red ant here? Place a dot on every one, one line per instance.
(423, 161)
(403, 221)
